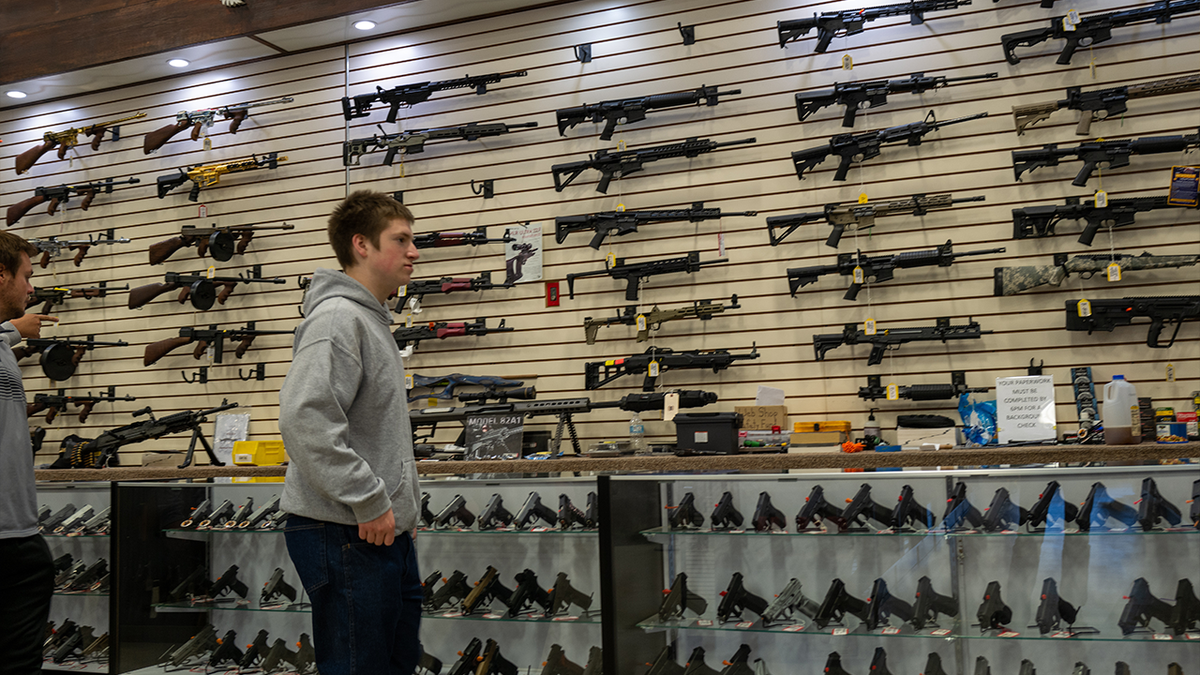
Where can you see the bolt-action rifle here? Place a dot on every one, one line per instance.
(60, 195)
(1012, 280)
(879, 268)
(624, 162)
(204, 337)
(69, 138)
(631, 110)
(851, 21)
(851, 148)
(891, 338)
(1107, 314)
(633, 273)
(199, 288)
(208, 175)
(868, 95)
(1093, 154)
(620, 223)
(60, 357)
(599, 373)
(443, 239)
(1093, 29)
(53, 247)
(56, 403)
(921, 392)
(222, 241)
(859, 217)
(441, 330)
(454, 380)
(57, 295)
(408, 95)
(204, 119)
(98, 452)
(1039, 221)
(412, 142)
(702, 310)
(1099, 105)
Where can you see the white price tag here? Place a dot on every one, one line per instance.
(940, 632)
(1072, 16)
(744, 624)
(794, 628)
(847, 62)
(212, 272)
(1163, 636)
(202, 211)
(490, 615)
(641, 322)
(408, 381)
(1101, 199)
(1063, 634)
(869, 327)
(1113, 271)
(670, 406)
(1084, 308)
(566, 618)
(840, 631)
(720, 244)
(704, 623)
(408, 321)
(653, 369)
(1008, 634)
(858, 275)
(891, 630)
(893, 392)
(1067, 26)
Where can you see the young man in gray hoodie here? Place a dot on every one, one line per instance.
(351, 485)
(26, 569)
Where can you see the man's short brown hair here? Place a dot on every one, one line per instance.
(364, 212)
(11, 248)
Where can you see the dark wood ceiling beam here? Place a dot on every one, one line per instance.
(47, 38)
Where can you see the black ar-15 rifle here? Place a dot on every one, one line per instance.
(624, 162)
(620, 223)
(98, 452)
(599, 373)
(1111, 154)
(1039, 221)
(1107, 314)
(61, 194)
(1094, 29)
(880, 268)
(411, 94)
(412, 142)
(852, 148)
(920, 392)
(1101, 104)
(851, 21)
(888, 338)
(633, 273)
(865, 95)
(630, 110)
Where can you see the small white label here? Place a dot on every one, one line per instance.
(701, 437)
(847, 62)
(402, 291)
(408, 321)
(203, 211)
(890, 630)
(452, 614)
(940, 632)
(1084, 308)
(1163, 636)
(1063, 634)
(858, 275)
(408, 381)
(869, 327)
(1067, 26)
(1113, 271)
(794, 628)
(704, 623)
(566, 618)
(652, 371)
(1101, 198)
(243, 458)
(670, 406)
(744, 624)
(720, 244)
(840, 631)
(641, 322)
(1072, 16)
(1192, 636)
(1008, 634)
(490, 615)
(893, 392)
(212, 272)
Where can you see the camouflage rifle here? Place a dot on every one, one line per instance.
(1013, 280)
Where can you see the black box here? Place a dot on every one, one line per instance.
(707, 433)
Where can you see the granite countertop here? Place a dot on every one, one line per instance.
(764, 463)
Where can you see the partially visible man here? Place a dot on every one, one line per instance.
(351, 485)
(26, 568)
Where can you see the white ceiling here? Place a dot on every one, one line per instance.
(405, 17)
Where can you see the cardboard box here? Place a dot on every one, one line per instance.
(762, 416)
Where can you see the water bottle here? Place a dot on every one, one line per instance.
(1122, 422)
(637, 435)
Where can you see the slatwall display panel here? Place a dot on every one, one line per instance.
(638, 51)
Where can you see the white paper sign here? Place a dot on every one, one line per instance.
(523, 255)
(1025, 409)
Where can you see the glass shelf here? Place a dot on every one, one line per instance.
(87, 594)
(76, 536)
(805, 628)
(49, 665)
(202, 535)
(662, 531)
(509, 531)
(592, 617)
(182, 607)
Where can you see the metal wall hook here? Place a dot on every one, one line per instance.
(258, 373)
(583, 53)
(198, 377)
(486, 188)
(1033, 370)
(398, 195)
(688, 33)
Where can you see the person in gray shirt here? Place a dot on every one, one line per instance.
(351, 485)
(26, 568)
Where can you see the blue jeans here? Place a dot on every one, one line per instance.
(366, 599)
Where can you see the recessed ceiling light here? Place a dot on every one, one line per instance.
(364, 25)
(16, 94)
(179, 63)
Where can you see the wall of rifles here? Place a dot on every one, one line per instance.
(637, 51)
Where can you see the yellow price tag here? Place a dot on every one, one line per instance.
(1067, 25)
(893, 392)
(653, 370)
(611, 259)
(1101, 199)
(620, 145)
(1072, 16)
(207, 143)
(620, 208)
(212, 272)
(859, 277)
(402, 291)
(1170, 372)
(869, 327)
(641, 322)
(1084, 308)
(862, 198)
(408, 321)
(408, 381)
(1114, 271)
(847, 62)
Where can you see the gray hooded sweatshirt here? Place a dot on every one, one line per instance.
(343, 411)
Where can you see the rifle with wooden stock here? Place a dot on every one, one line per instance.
(222, 241)
(69, 138)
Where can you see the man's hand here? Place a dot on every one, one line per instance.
(30, 325)
(381, 531)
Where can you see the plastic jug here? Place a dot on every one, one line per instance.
(1122, 423)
